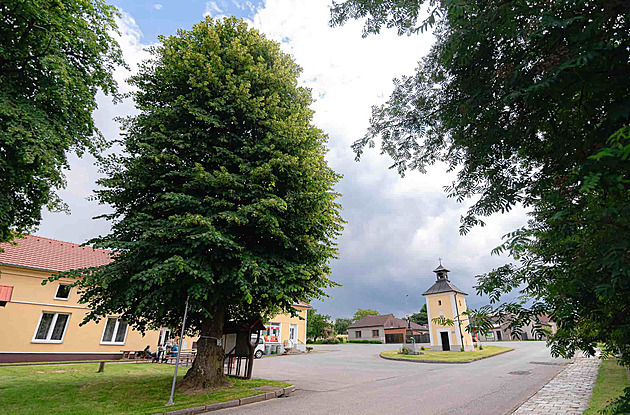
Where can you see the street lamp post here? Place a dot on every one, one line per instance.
(179, 353)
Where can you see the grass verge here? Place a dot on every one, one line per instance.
(437, 356)
(611, 381)
(59, 362)
(136, 389)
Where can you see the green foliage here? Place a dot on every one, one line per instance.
(420, 317)
(365, 341)
(317, 325)
(360, 313)
(54, 57)
(528, 101)
(222, 193)
(404, 350)
(341, 325)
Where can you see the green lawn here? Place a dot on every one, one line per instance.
(121, 389)
(450, 356)
(611, 380)
(63, 361)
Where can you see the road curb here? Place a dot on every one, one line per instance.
(403, 359)
(281, 392)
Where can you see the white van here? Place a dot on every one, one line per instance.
(259, 351)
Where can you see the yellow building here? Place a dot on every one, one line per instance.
(41, 322)
(444, 299)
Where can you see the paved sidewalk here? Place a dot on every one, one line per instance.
(568, 393)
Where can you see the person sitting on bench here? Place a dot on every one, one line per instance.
(174, 350)
(147, 352)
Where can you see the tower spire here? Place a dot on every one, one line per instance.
(442, 273)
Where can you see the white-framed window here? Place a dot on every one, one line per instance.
(51, 327)
(115, 331)
(63, 292)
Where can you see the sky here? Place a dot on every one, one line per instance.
(397, 228)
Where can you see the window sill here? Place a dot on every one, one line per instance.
(47, 341)
(112, 344)
(62, 299)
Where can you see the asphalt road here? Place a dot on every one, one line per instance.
(348, 379)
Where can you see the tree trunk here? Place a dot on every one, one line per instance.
(207, 368)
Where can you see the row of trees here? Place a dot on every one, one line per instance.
(221, 199)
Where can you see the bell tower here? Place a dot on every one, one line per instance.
(444, 299)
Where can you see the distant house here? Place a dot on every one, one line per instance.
(501, 330)
(384, 328)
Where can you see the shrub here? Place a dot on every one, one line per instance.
(404, 350)
(365, 341)
(461, 349)
(480, 347)
(422, 348)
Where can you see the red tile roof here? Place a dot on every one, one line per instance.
(51, 254)
(302, 304)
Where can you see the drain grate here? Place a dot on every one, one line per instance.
(520, 372)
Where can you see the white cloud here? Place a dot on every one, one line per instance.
(157, 6)
(397, 227)
(213, 10)
(83, 173)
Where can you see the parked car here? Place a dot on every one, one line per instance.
(259, 351)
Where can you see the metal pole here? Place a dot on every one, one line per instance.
(179, 353)
(459, 324)
(406, 296)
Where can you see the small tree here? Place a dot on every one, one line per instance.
(222, 194)
(478, 321)
(420, 317)
(360, 313)
(317, 324)
(341, 325)
(54, 57)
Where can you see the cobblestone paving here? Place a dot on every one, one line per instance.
(568, 393)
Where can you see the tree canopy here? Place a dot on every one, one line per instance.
(360, 313)
(317, 325)
(529, 102)
(54, 57)
(421, 317)
(341, 325)
(222, 194)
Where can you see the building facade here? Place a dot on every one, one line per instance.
(385, 328)
(531, 331)
(42, 322)
(445, 300)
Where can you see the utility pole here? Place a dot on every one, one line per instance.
(459, 323)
